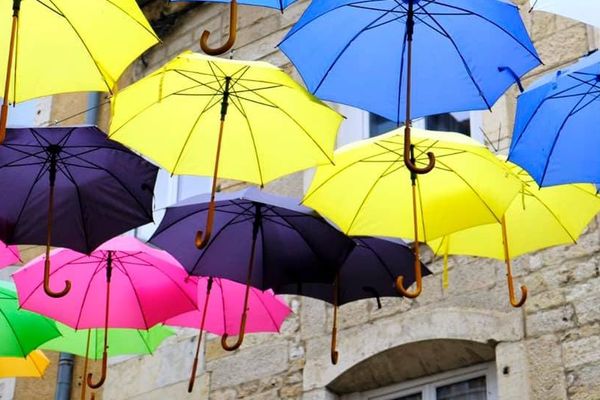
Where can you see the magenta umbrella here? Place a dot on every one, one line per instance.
(136, 285)
(9, 255)
(220, 310)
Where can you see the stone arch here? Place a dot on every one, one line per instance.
(452, 325)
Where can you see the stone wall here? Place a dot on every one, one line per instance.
(549, 350)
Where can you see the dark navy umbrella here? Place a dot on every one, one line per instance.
(465, 55)
(258, 239)
(70, 187)
(556, 137)
(370, 271)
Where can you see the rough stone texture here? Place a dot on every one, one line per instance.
(550, 348)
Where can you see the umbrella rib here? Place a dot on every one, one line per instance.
(87, 49)
(23, 352)
(97, 270)
(363, 243)
(57, 12)
(135, 20)
(242, 111)
(39, 176)
(287, 114)
(563, 227)
(135, 293)
(349, 43)
(558, 133)
(264, 306)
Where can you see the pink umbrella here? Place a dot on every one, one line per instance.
(221, 303)
(9, 255)
(137, 286)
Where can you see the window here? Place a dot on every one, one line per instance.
(473, 383)
(168, 191)
(459, 122)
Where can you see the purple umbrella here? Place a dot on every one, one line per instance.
(370, 271)
(93, 187)
(278, 240)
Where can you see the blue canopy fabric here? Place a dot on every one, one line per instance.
(277, 4)
(466, 53)
(556, 137)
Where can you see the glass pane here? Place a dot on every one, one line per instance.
(416, 396)
(474, 389)
(379, 125)
(451, 122)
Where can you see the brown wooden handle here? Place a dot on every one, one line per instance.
(203, 237)
(334, 352)
(408, 158)
(193, 375)
(399, 284)
(47, 287)
(240, 339)
(90, 378)
(3, 122)
(519, 303)
(233, 17)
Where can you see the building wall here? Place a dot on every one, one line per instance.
(549, 350)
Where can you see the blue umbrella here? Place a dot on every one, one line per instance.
(277, 4)
(555, 134)
(360, 52)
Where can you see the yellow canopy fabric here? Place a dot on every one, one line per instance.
(33, 366)
(368, 190)
(71, 45)
(272, 126)
(536, 219)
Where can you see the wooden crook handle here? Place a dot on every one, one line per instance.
(509, 277)
(240, 339)
(90, 377)
(47, 289)
(418, 280)
(203, 237)
(233, 17)
(408, 159)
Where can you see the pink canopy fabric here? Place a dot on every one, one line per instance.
(147, 286)
(266, 312)
(9, 255)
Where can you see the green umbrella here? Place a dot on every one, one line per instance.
(122, 341)
(21, 331)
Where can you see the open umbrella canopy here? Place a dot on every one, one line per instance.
(69, 189)
(466, 53)
(363, 192)
(32, 366)
(292, 244)
(71, 46)
(582, 10)
(555, 137)
(537, 218)
(122, 341)
(266, 312)
(21, 331)
(9, 255)
(369, 272)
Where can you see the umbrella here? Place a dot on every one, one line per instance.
(70, 187)
(369, 272)
(536, 219)
(582, 10)
(62, 46)
(9, 255)
(90, 343)
(361, 192)
(32, 366)
(279, 241)
(466, 55)
(220, 310)
(21, 331)
(137, 286)
(554, 137)
(261, 123)
(233, 17)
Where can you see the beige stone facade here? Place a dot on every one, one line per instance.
(549, 350)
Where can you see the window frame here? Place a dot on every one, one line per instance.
(428, 385)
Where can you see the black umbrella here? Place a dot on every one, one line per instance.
(70, 187)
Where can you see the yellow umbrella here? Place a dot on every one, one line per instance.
(59, 46)
(33, 366)
(368, 189)
(247, 121)
(536, 219)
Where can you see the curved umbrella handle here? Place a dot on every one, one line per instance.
(409, 161)
(100, 382)
(399, 284)
(509, 277)
(203, 237)
(240, 339)
(233, 17)
(47, 289)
